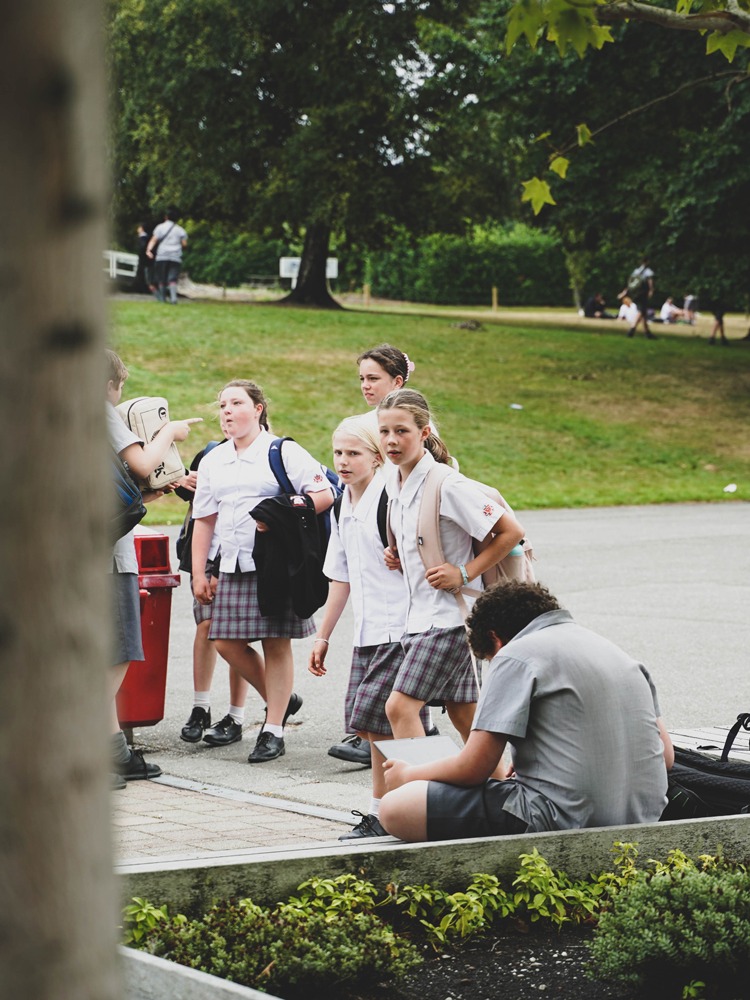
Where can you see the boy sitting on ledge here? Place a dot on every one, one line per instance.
(588, 746)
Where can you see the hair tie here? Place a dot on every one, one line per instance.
(409, 366)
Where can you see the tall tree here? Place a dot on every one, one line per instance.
(660, 116)
(299, 113)
(58, 914)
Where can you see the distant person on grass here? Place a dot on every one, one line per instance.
(167, 242)
(588, 746)
(640, 289)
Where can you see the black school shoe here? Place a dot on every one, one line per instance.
(268, 747)
(138, 769)
(223, 733)
(295, 704)
(368, 826)
(353, 749)
(196, 725)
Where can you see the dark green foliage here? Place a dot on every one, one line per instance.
(525, 265)
(299, 954)
(678, 927)
(224, 255)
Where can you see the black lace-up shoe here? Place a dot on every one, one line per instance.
(268, 747)
(353, 749)
(368, 826)
(196, 725)
(136, 768)
(295, 704)
(223, 733)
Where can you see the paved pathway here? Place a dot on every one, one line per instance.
(671, 584)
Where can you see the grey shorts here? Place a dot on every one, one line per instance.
(126, 619)
(454, 813)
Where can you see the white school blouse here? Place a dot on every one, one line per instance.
(232, 484)
(465, 513)
(355, 556)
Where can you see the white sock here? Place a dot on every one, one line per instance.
(374, 809)
(202, 699)
(429, 723)
(238, 713)
(276, 730)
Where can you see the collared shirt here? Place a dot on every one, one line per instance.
(580, 716)
(355, 556)
(231, 484)
(465, 513)
(121, 437)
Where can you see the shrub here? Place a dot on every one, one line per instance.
(527, 267)
(285, 951)
(678, 930)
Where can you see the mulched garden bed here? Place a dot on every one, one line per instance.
(514, 966)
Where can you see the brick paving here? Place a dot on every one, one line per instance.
(153, 819)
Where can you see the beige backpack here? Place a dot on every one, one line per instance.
(145, 416)
(517, 565)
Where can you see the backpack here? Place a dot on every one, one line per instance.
(701, 786)
(277, 467)
(145, 416)
(382, 515)
(130, 509)
(184, 543)
(636, 282)
(517, 565)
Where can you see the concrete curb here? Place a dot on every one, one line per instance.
(269, 876)
(147, 977)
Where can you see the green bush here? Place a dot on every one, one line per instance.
(289, 952)
(527, 267)
(224, 255)
(681, 931)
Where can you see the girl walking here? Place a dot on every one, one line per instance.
(382, 369)
(437, 664)
(354, 564)
(234, 478)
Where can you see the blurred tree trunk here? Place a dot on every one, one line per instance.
(312, 285)
(58, 904)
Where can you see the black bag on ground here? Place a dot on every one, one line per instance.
(701, 786)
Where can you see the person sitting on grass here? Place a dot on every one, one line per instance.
(588, 746)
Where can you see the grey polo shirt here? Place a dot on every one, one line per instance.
(580, 717)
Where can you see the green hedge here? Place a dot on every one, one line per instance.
(223, 255)
(525, 265)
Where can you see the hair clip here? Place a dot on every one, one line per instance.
(409, 364)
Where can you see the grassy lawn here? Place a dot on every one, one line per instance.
(604, 420)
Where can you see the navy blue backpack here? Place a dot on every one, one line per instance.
(277, 467)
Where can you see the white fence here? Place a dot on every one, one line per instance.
(120, 265)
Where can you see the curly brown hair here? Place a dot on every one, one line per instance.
(503, 611)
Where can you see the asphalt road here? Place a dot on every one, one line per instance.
(670, 584)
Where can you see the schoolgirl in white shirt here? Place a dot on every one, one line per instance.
(437, 663)
(354, 564)
(233, 479)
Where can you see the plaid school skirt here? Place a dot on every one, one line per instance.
(236, 614)
(373, 672)
(437, 667)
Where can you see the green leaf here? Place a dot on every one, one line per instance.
(538, 193)
(583, 133)
(559, 165)
(568, 25)
(526, 18)
(727, 44)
